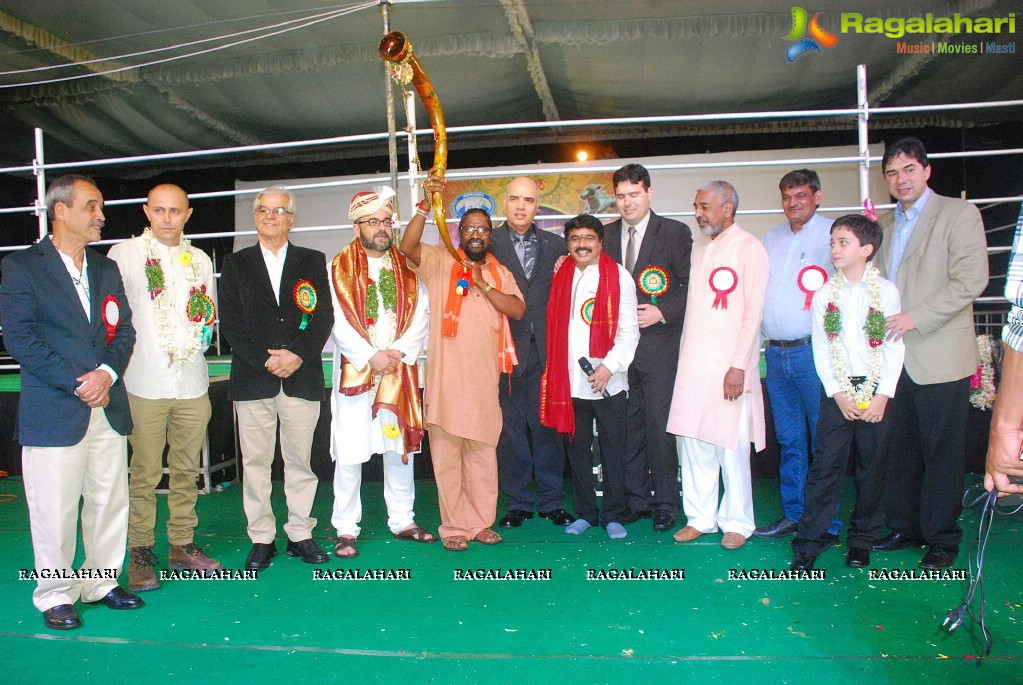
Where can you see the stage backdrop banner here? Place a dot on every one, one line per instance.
(582, 191)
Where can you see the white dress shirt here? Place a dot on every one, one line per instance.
(275, 267)
(81, 282)
(584, 286)
(853, 302)
(150, 373)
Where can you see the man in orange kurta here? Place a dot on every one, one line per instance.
(717, 405)
(469, 345)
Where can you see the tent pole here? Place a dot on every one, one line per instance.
(392, 135)
(861, 127)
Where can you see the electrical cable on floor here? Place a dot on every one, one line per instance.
(955, 617)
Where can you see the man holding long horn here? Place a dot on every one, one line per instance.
(469, 346)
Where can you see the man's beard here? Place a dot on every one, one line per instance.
(475, 255)
(378, 244)
(710, 230)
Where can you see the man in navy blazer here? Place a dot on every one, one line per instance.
(527, 450)
(275, 311)
(67, 321)
(656, 245)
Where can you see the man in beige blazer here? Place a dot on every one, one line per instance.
(935, 251)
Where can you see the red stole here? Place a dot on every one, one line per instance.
(556, 387)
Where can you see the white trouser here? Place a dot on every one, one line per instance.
(95, 472)
(702, 465)
(399, 495)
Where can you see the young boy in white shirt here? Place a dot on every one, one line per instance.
(859, 369)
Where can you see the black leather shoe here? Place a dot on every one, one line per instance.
(260, 555)
(939, 557)
(558, 517)
(664, 520)
(631, 516)
(308, 550)
(514, 518)
(857, 557)
(119, 598)
(896, 541)
(802, 562)
(62, 617)
(779, 529)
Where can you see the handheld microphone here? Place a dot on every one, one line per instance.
(587, 368)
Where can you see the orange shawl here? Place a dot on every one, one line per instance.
(506, 356)
(398, 392)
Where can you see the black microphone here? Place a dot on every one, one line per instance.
(587, 368)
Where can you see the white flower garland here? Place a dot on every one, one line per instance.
(982, 385)
(184, 341)
(862, 395)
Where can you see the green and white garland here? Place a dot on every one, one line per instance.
(862, 395)
(182, 342)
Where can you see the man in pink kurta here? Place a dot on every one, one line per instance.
(717, 407)
(462, 413)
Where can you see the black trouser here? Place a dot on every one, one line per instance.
(651, 454)
(924, 494)
(610, 416)
(837, 437)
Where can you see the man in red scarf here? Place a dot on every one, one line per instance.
(592, 316)
(469, 346)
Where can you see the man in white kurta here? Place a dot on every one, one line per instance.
(717, 407)
(367, 339)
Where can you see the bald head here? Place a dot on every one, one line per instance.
(522, 200)
(168, 211)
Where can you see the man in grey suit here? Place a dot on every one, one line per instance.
(527, 450)
(651, 247)
(934, 250)
(68, 323)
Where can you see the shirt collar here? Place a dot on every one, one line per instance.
(529, 236)
(913, 212)
(268, 254)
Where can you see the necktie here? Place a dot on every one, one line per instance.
(630, 250)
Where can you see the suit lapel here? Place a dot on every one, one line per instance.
(261, 282)
(643, 259)
(923, 228)
(612, 243)
(54, 265)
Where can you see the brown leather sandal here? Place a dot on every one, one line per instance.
(456, 543)
(344, 543)
(415, 533)
(487, 537)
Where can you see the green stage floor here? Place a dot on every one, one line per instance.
(287, 627)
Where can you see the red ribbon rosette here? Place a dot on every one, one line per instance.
(810, 280)
(305, 297)
(723, 281)
(111, 312)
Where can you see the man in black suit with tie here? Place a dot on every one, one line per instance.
(275, 311)
(67, 321)
(528, 450)
(651, 247)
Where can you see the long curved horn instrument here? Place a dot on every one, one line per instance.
(396, 48)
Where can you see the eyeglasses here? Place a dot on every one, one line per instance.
(373, 223)
(482, 230)
(282, 212)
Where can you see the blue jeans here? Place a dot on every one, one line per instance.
(795, 391)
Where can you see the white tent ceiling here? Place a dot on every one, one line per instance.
(491, 61)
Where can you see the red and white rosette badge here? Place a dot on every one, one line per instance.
(723, 281)
(111, 312)
(810, 280)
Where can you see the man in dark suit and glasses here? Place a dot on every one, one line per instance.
(67, 321)
(648, 245)
(275, 311)
(527, 450)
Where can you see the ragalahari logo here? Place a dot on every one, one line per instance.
(818, 36)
